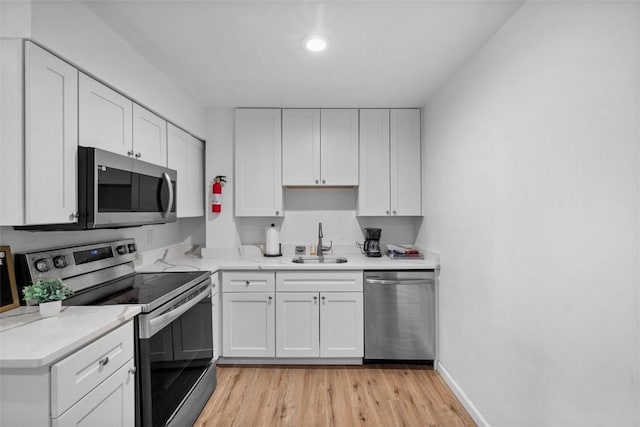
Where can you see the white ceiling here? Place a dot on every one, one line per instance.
(248, 53)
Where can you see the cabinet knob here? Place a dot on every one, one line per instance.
(277, 213)
(270, 297)
(323, 298)
(324, 182)
(315, 298)
(103, 362)
(74, 215)
(247, 283)
(395, 213)
(130, 153)
(138, 155)
(133, 370)
(317, 182)
(387, 212)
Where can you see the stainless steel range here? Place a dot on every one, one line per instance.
(174, 349)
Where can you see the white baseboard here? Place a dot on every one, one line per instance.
(460, 394)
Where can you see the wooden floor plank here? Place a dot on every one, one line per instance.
(330, 396)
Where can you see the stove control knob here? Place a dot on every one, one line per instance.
(122, 249)
(132, 247)
(59, 261)
(42, 265)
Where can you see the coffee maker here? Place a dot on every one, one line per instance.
(372, 242)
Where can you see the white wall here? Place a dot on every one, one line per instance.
(532, 159)
(74, 32)
(304, 208)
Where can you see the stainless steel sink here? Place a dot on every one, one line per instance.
(318, 260)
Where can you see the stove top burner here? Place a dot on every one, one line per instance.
(150, 290)
(144, 288)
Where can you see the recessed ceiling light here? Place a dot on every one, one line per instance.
(315, 42)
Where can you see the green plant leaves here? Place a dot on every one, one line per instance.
(45, 290)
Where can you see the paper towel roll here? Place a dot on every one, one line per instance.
(272, 246)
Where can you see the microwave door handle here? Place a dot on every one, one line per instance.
(168, 183)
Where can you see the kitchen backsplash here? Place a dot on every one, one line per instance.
(336, 209)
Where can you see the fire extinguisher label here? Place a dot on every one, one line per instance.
(217, 199)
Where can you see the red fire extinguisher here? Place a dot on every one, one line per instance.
(216, 205)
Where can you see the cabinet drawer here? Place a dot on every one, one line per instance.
(74, 377)
(110, 404)
(319, 281)
(248, 281)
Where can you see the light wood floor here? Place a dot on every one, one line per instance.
(304, 396)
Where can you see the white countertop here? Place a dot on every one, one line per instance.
(28, 340)
(178, 262)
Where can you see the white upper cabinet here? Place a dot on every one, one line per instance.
(300, 147)
(149, 136)
(186, 155)
(406, 158)
(51, 138)
(374, 191)
(112, 122)
(39, 136)
(258, 162)
(390, 163)
(339, 147)
(320, 147)
(106, 118)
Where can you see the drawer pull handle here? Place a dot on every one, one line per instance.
(103, 362)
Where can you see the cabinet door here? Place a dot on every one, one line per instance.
(374, 196)
(341, 324)
(339, 147)
(186, 155)
(110, 404)
(258, 170)
(301, 147)
(216, 315)
(149, 136)
(406, 175)
(249, 325)
(298, 324)
(105, 117)
(51, 138)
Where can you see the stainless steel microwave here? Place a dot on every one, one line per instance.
(116, 191)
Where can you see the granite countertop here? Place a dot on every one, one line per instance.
(28, 340)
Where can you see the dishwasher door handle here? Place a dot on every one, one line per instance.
(400, 281)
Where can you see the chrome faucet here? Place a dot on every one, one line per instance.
(322, 249)
(320, 236)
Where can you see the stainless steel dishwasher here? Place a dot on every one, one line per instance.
(399, 315)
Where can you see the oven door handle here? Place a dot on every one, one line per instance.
(156, 324)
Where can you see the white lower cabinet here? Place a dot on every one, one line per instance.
(248, 314)
(248, 324)
(292, 314)
(319, 324)
(341, 324)
(319, 314)
(111, 404)
(298, 324)
(93, 386)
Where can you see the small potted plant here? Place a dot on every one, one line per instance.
(48, 293)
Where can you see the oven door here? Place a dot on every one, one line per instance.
(175, 355)
(128, 192)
